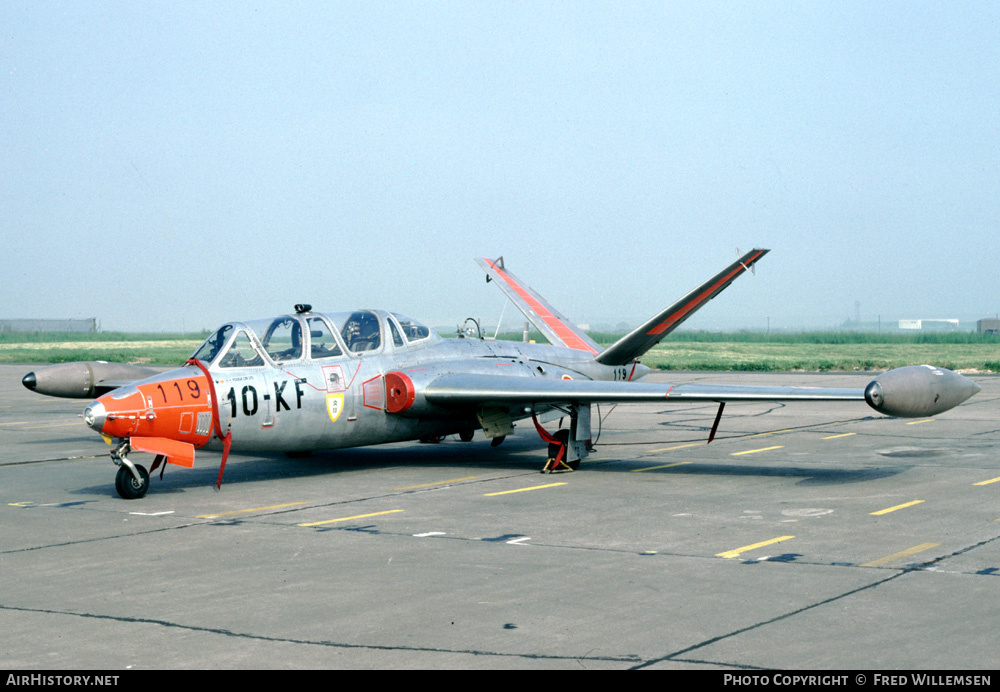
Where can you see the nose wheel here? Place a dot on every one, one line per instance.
(132, 480)
(130, 487)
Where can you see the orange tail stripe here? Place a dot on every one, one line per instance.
(699, 299)
(568, 336)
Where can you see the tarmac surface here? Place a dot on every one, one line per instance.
(806, 536)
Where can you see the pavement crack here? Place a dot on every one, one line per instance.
(123, 619)
(763, 623)
(99, 538)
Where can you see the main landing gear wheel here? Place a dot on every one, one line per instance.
(127, 486)
(557, 461)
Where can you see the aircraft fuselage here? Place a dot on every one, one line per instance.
(349, 400)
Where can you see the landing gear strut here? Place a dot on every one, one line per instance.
(558, 451)
(132, 480)
(567, 448)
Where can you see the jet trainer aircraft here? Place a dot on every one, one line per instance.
(309, 381)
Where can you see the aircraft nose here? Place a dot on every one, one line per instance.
(30, 381)
(95, 415)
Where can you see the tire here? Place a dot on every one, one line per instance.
(127, 486)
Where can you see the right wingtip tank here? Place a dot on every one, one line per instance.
(918, 390)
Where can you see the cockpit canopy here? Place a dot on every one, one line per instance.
(310, 336)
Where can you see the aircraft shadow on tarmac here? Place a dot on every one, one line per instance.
(253, 468)
(810, 475)
(519, 455)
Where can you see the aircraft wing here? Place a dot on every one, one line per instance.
(498, 390)
(549, 321)
(909, 392)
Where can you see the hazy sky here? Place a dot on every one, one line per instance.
(172, 165)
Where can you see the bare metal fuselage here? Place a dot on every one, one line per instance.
(331, 403)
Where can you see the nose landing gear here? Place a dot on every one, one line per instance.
(132, 480)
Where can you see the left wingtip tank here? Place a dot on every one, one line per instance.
(918, 390)
(82, 380)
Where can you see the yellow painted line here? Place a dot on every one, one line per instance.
(918, 422)
(431, 485)
(667, 449)
(746, 548)
(245, 511)
(901, 554)
(521, 490)
(357, 516)
(834, 437)
(16, 422)
(893, 509)
(992, 480)
(665, 466)
(754, 451)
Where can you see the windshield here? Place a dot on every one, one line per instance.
(207, 352)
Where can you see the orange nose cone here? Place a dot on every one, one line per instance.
(175, 406)
(117, 413)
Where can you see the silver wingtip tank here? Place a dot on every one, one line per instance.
(918, 390)
(83, 380)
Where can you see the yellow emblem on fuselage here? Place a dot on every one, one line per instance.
(334, 405)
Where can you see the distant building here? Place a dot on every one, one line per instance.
(988, 326)
(930, 325)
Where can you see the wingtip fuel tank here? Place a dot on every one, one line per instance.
(918, 390)
(83, 380)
